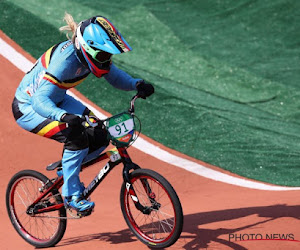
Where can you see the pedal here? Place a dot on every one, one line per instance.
(73, 213)
(85, 213)
(78, 214)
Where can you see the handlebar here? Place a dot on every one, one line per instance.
(133, 99)
(95, 124)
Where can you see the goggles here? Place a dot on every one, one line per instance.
(98, 55)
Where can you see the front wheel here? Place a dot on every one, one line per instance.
(160, 225)
(41, 230)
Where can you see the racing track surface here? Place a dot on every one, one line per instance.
(212, 210)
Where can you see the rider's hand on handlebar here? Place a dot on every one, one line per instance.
(144, 89)
(72, 120)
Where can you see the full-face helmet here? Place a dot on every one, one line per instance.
(97, 39)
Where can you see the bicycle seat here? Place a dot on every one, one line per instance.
(53, 166)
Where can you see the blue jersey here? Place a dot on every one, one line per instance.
(57, 70)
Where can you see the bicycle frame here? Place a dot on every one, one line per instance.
(115, 159)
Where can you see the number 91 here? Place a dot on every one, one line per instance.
(118, 129)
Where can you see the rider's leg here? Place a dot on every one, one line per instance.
(72, 188)
(71, 161)
(75, 150)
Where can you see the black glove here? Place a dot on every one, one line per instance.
(144, 89)
(72, 120)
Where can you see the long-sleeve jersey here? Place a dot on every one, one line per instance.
(56, 71)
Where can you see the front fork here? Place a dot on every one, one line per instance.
(128, 166)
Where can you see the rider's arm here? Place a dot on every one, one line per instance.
(45, 99)
(120, 79)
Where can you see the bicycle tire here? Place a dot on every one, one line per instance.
(148, 233)
(18, 191)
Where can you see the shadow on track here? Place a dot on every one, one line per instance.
(200, 238)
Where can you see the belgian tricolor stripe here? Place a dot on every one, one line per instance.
(46, 57)
(75, 81)
(67, 84)
(51, 78)
(52, 129)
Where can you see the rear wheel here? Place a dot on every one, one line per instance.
(160, 225)
(40, 230)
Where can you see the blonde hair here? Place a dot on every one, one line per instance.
(70, 27)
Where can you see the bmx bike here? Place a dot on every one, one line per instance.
(149, 204)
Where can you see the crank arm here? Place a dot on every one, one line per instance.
(32, 211)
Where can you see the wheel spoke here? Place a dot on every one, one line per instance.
(22, 201)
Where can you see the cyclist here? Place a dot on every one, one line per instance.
(42, 106)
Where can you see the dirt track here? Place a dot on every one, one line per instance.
(212, 210)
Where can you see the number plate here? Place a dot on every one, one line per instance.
(121, 127)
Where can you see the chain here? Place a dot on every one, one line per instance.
(53, 217)
(73, 216)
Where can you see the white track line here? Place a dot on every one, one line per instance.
(24, 65)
